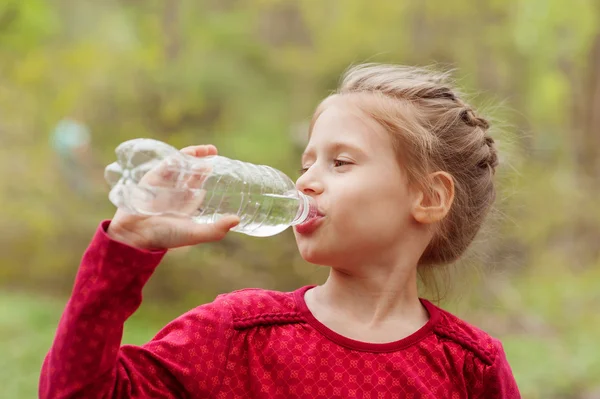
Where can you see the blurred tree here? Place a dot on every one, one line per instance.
(246, 76)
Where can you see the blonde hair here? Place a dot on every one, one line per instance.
(432, 128)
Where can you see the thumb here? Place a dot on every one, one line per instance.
(215, 231)
(227, 222)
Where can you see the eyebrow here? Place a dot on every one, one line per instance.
(338, 145)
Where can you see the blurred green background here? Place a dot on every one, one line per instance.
(79, 77)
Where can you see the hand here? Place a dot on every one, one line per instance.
(164, 232)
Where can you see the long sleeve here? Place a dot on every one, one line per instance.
(498, 380)
(86, 360)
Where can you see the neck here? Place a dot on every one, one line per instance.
(376, 298)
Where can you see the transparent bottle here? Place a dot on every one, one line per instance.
(154, 178)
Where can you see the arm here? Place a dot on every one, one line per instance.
(498, 379)
(86, 360)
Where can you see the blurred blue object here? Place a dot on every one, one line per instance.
(71, 140)
(69, 137)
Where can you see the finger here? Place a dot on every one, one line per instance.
(192, 201)
(160, 175)
(198, 173)
(200, 150)
(194, 194)
(207, 232)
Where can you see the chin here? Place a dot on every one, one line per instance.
(317, 254)
(311, 256)
(310, 252)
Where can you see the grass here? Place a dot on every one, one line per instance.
(27, 327)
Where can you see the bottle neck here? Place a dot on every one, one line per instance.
(307, 209)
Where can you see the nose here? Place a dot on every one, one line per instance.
(309, 184)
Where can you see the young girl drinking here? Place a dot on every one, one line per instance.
(402, 171)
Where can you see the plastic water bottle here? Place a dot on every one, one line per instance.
(154, 178)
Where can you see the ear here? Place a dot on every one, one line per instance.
(433, 205)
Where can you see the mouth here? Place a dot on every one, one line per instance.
(310, 225)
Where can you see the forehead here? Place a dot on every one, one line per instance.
(341, 121)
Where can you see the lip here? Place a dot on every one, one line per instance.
(310, 225)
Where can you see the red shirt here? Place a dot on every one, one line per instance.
(251, 343)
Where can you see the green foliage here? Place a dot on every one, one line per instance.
(245, 75)
(27, 326)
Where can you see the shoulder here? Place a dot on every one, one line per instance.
(488, 374)
(254, 306)
(469, 337)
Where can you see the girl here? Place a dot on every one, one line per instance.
(402, 172)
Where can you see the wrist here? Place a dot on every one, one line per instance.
(118, 233)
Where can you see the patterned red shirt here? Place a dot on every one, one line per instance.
(251, 343)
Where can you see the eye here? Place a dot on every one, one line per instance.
(338, 162)
(302, 171)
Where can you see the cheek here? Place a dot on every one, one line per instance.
(375, 210)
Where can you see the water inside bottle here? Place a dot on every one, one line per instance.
(261, 215)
